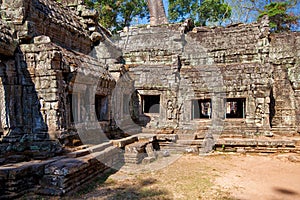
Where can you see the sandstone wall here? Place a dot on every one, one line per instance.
(284, 56)
(57, 73)
(49, 94)
(7, 43)
(50, 82)
(152, 59)
(47, 17)
(7, 48)
(224, 62)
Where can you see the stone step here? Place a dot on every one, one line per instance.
(165, 131)
(255, 142)
(17, 179)
(190, 142)
(177, 147)
(259, 149)
(78, 153)
(100, 147)
(168, 137)
(72, 172)
(59, 175)
(121, 143)
(148, 130)
(146, 137)
(81, 147)
(137, 147)
(85, 150)
(186, 136)
(230, 135)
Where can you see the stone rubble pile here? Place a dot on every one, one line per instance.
(135, 152)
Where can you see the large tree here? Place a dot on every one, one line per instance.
(116, 14)
(157, 12)
(214, 11)
(201, 12)
(246, 11)
(179, 10)
(280, 20)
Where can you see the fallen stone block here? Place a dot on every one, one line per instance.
(148, 160)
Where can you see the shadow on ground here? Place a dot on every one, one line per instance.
(286, 191)
(105, 188)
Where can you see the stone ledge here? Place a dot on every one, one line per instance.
(56, 176)
(121, 143)
(255, 142)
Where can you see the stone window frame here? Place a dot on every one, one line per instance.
(198, 104)
(148, 109)
(235, 108)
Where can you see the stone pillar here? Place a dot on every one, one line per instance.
(297, 97)
(3, 114)
(157, 12)
(284, 119)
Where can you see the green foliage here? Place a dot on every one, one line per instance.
(280, 20)
(214, 11)
(116, 14)
(179, 10)
(200, 11)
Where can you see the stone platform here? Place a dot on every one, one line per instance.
(59, 175)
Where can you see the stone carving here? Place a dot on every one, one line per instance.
(259, 115)
(170, 110)
(178, 111)
(237, 66)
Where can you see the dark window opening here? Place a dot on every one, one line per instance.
(235, 108)
(201, 108)
(101, 107)
(151, 103)
(272, 107)
(69, 102)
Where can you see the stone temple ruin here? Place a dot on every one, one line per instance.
(76, 100)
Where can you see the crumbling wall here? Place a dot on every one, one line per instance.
(7, 43)
(7, 48)
(50, 81)
(284, 56)
(38, 84)
(152, 57)
(47, 17)
(206, 63)
(234, 65)
(25, 132)
(58, 73)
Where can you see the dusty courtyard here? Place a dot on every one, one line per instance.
(217, 176)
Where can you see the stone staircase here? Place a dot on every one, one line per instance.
(179, 143)
(59, 175)
(259, 145)
(138, 148)
(189, 143)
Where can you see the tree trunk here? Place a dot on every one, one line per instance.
(157, 12)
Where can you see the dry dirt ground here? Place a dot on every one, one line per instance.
(217, 176)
